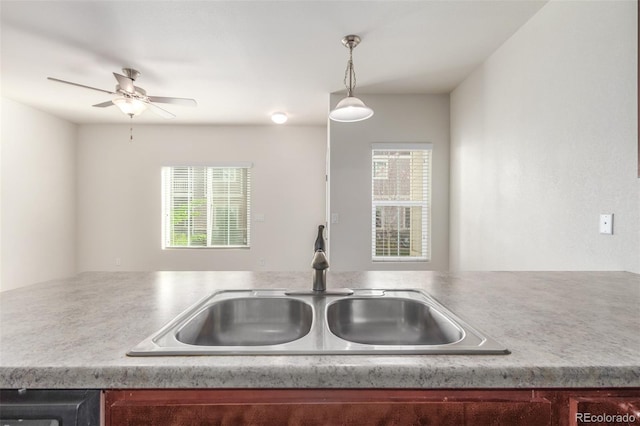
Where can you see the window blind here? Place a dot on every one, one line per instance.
(206, 206)
(401, 203)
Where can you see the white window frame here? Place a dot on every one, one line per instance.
(230, 175)
(376, 170)
(425, 203)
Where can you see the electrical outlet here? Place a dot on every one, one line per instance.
(606, 224)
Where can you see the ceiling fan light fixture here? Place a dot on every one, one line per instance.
(131, 99)
(350, 109)
(130, 106)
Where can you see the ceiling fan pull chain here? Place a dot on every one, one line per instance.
(131, 128)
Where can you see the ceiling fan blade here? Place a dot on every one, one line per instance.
(125, 83)
(81, 85)
(174, 101)
(104, 104)
(160, 111)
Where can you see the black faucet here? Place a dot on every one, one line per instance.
(320, 263)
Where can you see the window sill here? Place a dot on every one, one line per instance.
(208, 248)
(400, 259)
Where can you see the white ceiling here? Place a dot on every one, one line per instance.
(242, 60)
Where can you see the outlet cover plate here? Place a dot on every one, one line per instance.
(606, 224)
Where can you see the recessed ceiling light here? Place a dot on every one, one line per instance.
(279, 117)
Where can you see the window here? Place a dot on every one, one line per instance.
(400, 206)
(206, 206)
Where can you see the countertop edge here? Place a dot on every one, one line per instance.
(149, 377)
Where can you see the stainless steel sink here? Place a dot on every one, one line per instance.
(248, 321)
(390, 321)
(262, 322)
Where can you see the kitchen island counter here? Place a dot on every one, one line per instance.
(564, 329)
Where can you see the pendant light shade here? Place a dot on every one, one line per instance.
(350, 109)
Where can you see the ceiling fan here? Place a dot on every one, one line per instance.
(133, 100)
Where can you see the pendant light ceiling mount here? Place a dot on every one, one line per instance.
(350, 109)
(351, 41)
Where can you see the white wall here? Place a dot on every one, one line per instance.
(544, 138)
(38, 196)
(397, 118)
(119, 198)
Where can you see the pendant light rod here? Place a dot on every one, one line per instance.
(350, 42)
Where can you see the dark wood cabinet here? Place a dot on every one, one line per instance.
(311, 407)
(603, 408)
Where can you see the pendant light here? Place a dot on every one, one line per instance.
(350, 109)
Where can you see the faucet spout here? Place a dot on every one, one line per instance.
(320, 263)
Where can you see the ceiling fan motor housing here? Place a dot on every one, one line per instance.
(139, 92)
(131, 73)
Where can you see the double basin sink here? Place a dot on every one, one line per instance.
(258, 322)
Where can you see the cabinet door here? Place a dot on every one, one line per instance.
(325, 407)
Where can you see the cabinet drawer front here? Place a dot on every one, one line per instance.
(310, 408)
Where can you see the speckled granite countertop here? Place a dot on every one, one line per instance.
(565, 329)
